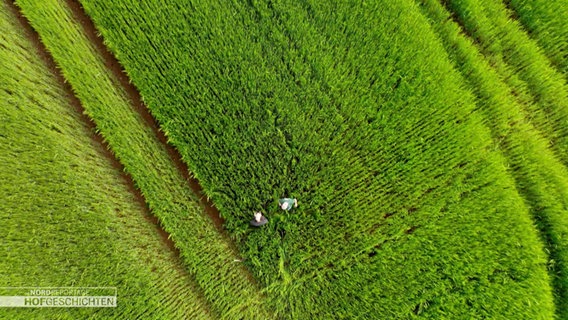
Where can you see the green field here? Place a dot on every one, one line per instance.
(539, 172)
(522, 63)
(426, 143)
(547, 22)
(68, 216)
(206, 255)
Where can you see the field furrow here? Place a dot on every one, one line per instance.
(538, 86)
(68, 214)
(539, 175)
(355, 109)
(205, 252)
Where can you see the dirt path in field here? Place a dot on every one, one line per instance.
(114, 66)
(43, 53)
(139, 107)
(134, 95)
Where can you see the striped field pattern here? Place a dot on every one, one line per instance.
(426, 142)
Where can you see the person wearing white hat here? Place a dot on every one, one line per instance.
(288, 203)
(259, 219)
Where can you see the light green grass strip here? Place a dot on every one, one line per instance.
(540, 176)
(540, 88)
(355, 108)
(67, 216)
(547, 22)
(206, 254)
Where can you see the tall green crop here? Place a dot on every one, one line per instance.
(537, 85)
(206, 254)
(356, 110)
(547, 22)
(539, 175)
(67, 215)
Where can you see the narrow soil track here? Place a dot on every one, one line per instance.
(42, 52)
(114, 66)
(97, 137)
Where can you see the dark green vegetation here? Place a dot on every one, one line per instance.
(205, 254)
(416, 190)
(67, 215)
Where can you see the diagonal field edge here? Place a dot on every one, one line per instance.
(32, 34)
(43, 53)
(76, 104)
(208, 268)
(114, 66)
(541, 214)
(105, 149)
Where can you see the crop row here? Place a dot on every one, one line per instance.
(538, 86)
(67, 216)
(356, 110)
(539, 175)
(206, 254)
(547, 22)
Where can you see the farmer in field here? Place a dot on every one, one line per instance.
(288, 203)
(259, 219)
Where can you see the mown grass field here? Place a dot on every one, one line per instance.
(426, 143)
(67, 214)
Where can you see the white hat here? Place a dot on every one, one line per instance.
(284, 205)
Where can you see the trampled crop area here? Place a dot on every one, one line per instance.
(425, 142)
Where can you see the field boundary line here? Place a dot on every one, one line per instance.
(510, 142)
(103, 148)
(213, 271)
(138, 105)
(49, 61)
